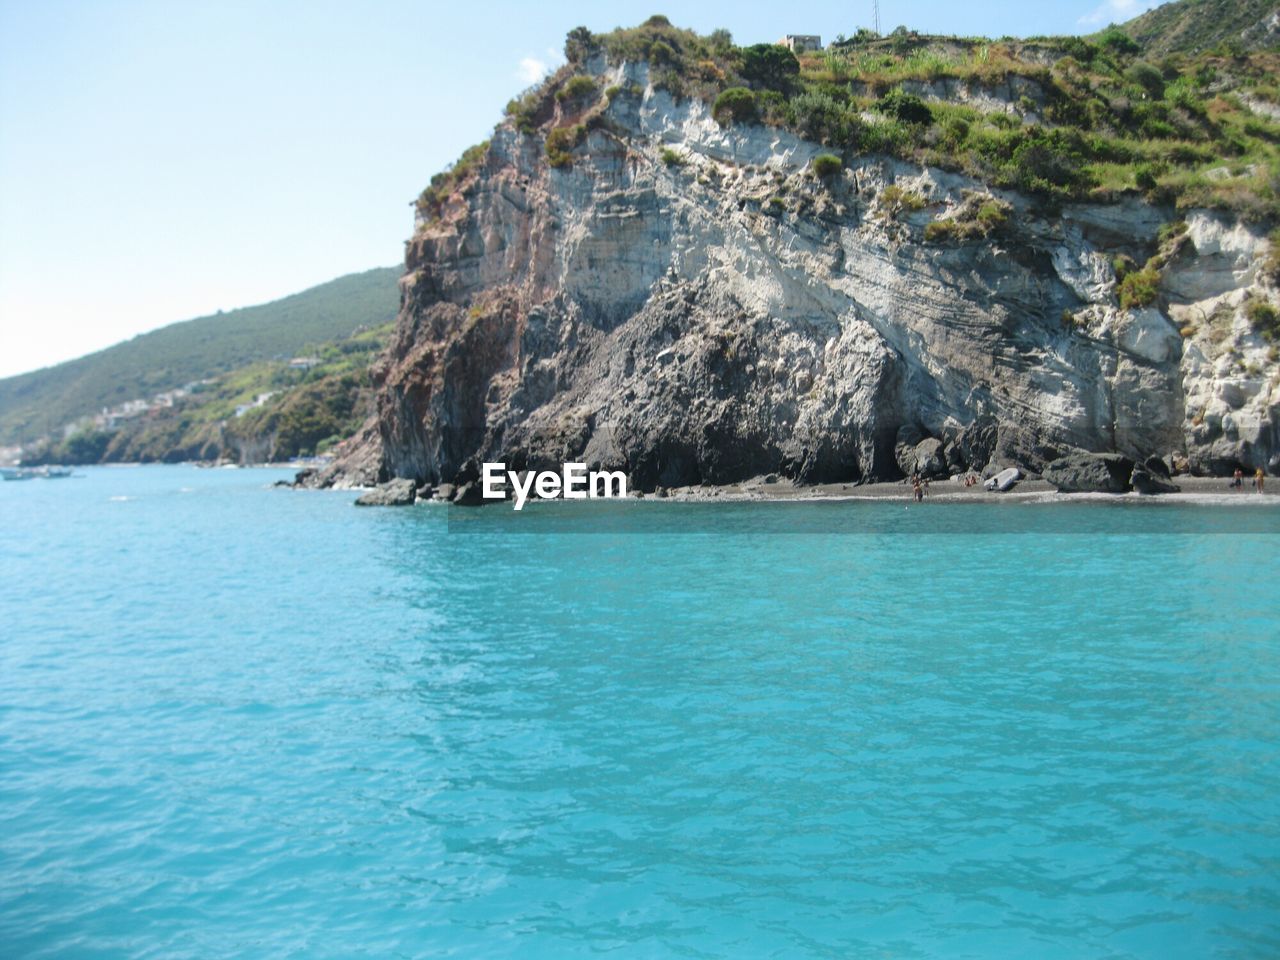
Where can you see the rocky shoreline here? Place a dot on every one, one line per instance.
(773, 488)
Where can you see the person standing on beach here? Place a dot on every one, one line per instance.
(1237, 478)
(1258, 477)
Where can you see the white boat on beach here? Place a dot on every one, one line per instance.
(1003, 480)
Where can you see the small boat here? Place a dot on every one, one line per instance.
(1003, 480)
(35, 473)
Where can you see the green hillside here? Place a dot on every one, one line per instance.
(33, 404)
(1194, 26)
(262, 412)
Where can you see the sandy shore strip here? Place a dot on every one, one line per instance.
(1198, 489)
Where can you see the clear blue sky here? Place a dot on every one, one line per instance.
(163, 160)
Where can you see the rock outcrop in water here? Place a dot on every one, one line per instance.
(691, 303)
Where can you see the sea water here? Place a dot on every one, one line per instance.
(245, 722)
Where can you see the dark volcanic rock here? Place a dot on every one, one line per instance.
(470, 495)
(1090, 473)
(1156, 467)
(954, 457)
(393, 493)
(977, 442)
(930, 461)
(904, 448)
(1146, 481)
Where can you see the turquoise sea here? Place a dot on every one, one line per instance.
(245, 722)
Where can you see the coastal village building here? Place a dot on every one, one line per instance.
(799, 43)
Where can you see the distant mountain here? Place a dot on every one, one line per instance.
(36, 403)
(1193, 26)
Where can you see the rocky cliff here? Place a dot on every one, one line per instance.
(692, 302)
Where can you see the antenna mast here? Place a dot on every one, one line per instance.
(875, 16)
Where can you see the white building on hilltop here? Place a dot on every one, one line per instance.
(799, 43)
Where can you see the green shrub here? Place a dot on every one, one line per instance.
(773, 108)
(1144, 176)
(1079, 48)
(887, 136)
(561, 142)
(897, 201)
(1264, 318)
(671, 80)
(826, 165)
(524, 111)
(1170, 231)
(1122, 265)
(1139, 288)
(820, 117)
(940, 231)
(735, 105)
(954, 132)
(663, 54)
(1117, 41)
(671, 158)
(769, 66)
(980, 215)
(906, 107)
(1148, 78)
(579, 44)
(578, 88)
(443, 185)
(993, 214)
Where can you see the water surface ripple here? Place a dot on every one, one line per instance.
(238, 722)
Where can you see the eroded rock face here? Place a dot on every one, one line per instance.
(733, 316)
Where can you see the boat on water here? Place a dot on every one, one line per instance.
(35, 473)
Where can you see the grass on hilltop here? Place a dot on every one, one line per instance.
(1080, 119)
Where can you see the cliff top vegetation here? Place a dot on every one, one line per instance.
(1060, 118)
